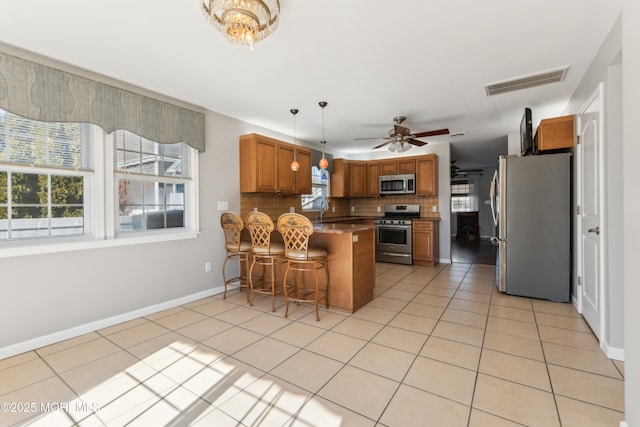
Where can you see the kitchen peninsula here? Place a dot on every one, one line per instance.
(351, 256)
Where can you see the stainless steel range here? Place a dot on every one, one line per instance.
(393, 234)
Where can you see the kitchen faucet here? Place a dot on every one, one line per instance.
(324, 206)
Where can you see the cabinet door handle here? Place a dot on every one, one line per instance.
(594, 230)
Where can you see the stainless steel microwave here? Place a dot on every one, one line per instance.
(397, 184)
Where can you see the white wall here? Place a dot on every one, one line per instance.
(602, 69)
(631, 207)
(51, 297)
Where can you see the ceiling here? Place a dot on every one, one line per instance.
(371, 60)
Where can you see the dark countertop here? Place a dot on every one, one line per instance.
(341, 228)
(335, 219)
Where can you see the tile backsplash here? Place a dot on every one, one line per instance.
(275, 205)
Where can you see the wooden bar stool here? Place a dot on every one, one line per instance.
(237, 250)
(296, 230)
(266, 254)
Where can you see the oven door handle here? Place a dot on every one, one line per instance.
(400, 227)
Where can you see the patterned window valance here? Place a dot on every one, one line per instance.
(46, 94)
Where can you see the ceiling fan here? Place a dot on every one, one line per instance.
(401, 138)
(456, 171)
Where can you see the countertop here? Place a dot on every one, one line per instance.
(341, 228)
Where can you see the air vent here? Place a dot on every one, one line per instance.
(525, 82)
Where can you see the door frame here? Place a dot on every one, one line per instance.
(602, 270)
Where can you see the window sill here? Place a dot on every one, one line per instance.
(25, 248)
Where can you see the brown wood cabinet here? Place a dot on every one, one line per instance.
(357, 178)
(340, 178)
(358, 181)
(556, 133)
(425, 242)
(427, 175)
(265, 166)
(373, 173)
(397, 166)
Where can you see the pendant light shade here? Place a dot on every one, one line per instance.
(324, 163)
(295, 166)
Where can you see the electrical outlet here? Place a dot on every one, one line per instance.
(223, 206)
(333, 209)
(434, 209)
(292, 209)
(207, 267)
(378, 209)
(255, 209)
(353, 208)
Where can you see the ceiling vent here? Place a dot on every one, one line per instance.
(525, 82)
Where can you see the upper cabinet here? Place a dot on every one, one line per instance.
(265, 166)
(340, 178)
(397, 166)
(354, 178)
(556, 133)
(427, 175)
(358, 178)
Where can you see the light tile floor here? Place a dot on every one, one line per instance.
(437, 346)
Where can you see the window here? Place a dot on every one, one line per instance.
(45, 171)
(461, 196)
(55, 180)
(320, 190)
(151, 181)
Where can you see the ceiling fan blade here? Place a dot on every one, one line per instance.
(416, 142)
(431, 133)
(381, 145)
(401, 130)
(362, 139)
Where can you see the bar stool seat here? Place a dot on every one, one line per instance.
(266, 254)
(301, 259)
(236, 250)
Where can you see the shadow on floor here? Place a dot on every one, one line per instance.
(473, 251)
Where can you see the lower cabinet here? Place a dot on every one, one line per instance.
(425, 242)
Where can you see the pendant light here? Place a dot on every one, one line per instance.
(324, 163)
(295, 166)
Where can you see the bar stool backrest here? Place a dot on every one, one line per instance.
(232, 225)
(260, 227)
(295, 230)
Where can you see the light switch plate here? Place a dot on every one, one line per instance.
(355, 238)
(223, 206)
(434, 209)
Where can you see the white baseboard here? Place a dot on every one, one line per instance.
(614, 353)
(66, 334)
(445, 260)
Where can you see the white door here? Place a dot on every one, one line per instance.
(590, 248)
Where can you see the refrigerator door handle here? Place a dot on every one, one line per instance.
(492, 197)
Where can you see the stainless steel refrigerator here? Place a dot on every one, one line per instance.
(531, 205)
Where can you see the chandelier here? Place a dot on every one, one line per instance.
(243, 22)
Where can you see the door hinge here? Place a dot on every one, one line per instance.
(579, 139)
(579, 281)
(578, 209)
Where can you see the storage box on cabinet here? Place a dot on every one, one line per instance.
(555, 133)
